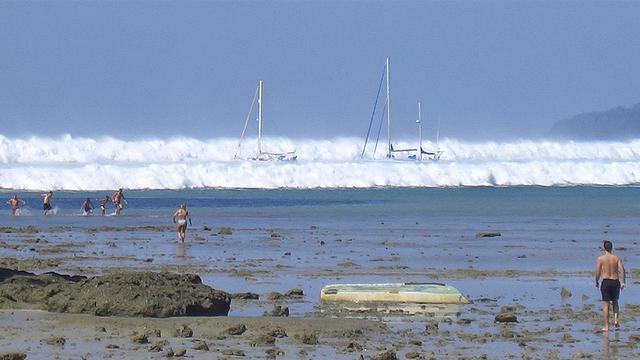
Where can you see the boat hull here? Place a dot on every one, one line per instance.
(420, 293)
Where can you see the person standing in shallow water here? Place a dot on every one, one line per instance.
(117, 199)
(15, 203)
(610, 268)
(46, 202)
(87, 207)
(182, 215)
(103, 204)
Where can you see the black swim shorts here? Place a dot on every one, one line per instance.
(610, 289)
(46, 207)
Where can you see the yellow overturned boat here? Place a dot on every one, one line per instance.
(420, 293)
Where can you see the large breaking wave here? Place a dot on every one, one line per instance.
(69, 163)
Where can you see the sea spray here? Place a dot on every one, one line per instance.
(70, 163)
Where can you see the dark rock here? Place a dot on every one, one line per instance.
(233, 352)
(183, 331)
(277, 332)
(505, 317)
(54, 341)
(236, 330)
(484, 234)
(140, 339)
(179, 352)
(294, 294)
(309, 339)
(245, 296)
(431, 328)
(13, 356)
(200, 345)
(278, 311)
(262, 340)
(564, 293)
(273, 353)
(353, 347)
(146, 294)
(206, 228)
(158, 346)
(386, 355)
(112, 346)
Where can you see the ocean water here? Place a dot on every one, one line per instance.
(84, 164)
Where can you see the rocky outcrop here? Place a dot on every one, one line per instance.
(135, 294)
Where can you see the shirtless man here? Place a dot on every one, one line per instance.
(117, 200)
(609, 267)
(46, 202)
(15, 203)
(182, 215)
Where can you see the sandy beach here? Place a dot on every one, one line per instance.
(540, 280)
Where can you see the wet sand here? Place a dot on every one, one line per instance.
(546, 282)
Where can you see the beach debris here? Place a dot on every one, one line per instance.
(135, 294)
(233, 352)
(485, 234)
(183, 331)
(506, 317)
(54, 341)
(385, 355)
(278, 310)
(158, 346)
(200, 345)
(564, 293)
(236, 330)
(225, 231)
(245, 296)
(13, 356)
(140, 338)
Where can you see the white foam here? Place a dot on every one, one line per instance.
(69, 163)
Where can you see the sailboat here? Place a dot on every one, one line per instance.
(391, 151)
(260, 154)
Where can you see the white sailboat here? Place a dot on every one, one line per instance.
(419, 151)
(260, 154)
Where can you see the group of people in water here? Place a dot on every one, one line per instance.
(87, 207)
(180, 217)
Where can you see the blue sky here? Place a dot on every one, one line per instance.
(486, 69)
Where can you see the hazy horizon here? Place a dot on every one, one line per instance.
(485, 70)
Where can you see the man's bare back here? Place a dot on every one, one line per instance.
(609, 266)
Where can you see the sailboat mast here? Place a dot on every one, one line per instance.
(388, 111)
(419, 131)
(259, 117)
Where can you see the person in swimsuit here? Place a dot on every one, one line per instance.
(610, 268)
(15, 203)
(182, 215)
(46, 202)
(117, 199)
(87, 207)
(103, 204)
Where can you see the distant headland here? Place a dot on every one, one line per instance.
(620, 123)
